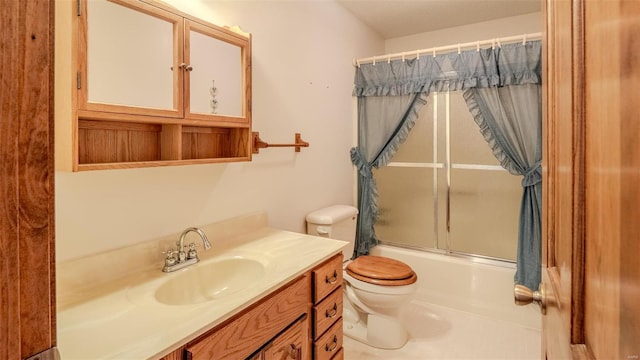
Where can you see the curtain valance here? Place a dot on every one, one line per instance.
(510, 64)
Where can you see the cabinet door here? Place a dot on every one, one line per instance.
(216, 80)
(131, 59)
(293, 344)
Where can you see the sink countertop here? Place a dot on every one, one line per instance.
(126, 322)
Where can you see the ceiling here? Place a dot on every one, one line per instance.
(396, 18)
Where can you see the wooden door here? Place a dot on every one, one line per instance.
(27, 308)
(591, 181)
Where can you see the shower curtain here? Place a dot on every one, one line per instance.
(390, 95)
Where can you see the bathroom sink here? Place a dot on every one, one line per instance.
(208, 281)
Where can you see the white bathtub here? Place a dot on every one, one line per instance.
(465, 285)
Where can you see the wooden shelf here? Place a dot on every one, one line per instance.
(112, 145)
(212, 143)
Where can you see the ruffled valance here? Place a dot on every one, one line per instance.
(510, 64)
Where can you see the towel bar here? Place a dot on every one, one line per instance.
(259, 144)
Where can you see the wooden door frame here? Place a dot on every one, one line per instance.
(551, 274)
(27, 269)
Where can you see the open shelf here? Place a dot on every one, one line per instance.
(113, 144)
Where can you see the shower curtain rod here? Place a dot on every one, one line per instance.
(459, 47)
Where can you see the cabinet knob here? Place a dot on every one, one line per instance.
(185, 67)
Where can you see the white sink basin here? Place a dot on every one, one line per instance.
(208, 281)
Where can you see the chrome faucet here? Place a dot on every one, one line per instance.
(179, 258)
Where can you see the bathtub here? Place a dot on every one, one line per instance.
(465, 285)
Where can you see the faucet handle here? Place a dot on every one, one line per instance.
(192, 253)
(170, 260)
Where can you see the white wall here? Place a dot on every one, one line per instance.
(510, 26)
(302, 82)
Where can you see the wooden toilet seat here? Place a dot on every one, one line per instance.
(383, 271)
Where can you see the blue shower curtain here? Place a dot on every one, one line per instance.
(390, 95)
(510, 119)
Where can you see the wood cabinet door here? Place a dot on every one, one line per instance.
(591, 180)
(292, 344)
(27, 307)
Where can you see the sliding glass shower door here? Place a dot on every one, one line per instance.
(444, 190)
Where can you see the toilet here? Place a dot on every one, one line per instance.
(375, 287)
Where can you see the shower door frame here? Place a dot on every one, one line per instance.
(447, 165)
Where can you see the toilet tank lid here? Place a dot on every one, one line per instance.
(331, 215)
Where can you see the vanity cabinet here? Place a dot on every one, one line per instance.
(302, 320)
(139, 84)
(327, 310)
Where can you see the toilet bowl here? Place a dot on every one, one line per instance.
(375, 287)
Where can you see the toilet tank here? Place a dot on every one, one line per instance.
(335, 222)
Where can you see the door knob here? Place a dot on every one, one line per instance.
(524, 296)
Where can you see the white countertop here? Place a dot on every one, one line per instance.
(128, 323)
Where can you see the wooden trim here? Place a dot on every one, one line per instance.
(144, 164)
(27, 272)
(81, 47)
(579, 175)
(227, 32)
(248, 109)
(97, 115)
(547, 140)
(171, 142)
(149, 9)
(113, 125)
(630, 164)
(214, 31)
(66, 52)
(126, 109)
(123, 118)
(203, 130)
(216, 117)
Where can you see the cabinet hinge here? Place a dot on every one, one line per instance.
(78, 80)
(79, 7)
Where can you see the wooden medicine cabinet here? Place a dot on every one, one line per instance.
(148, 86)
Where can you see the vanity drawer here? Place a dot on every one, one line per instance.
(330, 343)
(339, 355)
(326, 278)
(327, 312)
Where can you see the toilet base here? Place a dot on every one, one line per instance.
(375, 330)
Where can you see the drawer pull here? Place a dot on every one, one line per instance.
(333, 312)
(332, 280)
(334, 344)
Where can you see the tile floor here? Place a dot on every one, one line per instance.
(442, 333)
